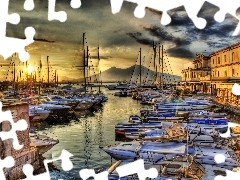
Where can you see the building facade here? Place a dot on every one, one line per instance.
(225, 66)
(216, 74)
(193, 78)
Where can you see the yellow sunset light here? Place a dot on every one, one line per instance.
(30, 69)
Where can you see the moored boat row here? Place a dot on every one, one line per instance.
(173, 130)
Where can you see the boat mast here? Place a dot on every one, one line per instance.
(85, 81)
(48, 70)
(154, 62)
(84, 63)
(162, 68)
(55, 77)
(140, 73)
(99, 89)
(14, 76)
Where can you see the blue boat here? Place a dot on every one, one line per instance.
(210, 121)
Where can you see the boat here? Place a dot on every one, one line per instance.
(37, 113)
(216, 121)
(42, 142)
(145, 150)
(177, 168)
(207, 114)
(157, 151)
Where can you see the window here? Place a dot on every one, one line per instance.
(213, 61)
(218, 74)
(232, 56)
(225, 73)
(225, 58)
(219, 60)
(233, 72)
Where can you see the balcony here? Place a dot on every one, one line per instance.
(226, 79)
(205, 78)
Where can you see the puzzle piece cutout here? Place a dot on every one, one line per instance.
(228, 133)
(192, 9)
(9, 45)
(87, 173)
(61, 15)
(236, 89)
(18, 126)
(8, 162)
(136, 167)
(28, 5)
(230, 175)
(66, 166)
(234, 174)
(227, 7)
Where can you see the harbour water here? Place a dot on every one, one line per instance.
(82, 137)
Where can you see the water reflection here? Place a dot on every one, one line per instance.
(83, 136)
(88, 137)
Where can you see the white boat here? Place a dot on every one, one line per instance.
(164, 151)
(37, 113)
(182, 166)
(155, 150)
(207, 114)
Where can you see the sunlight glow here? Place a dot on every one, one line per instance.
(30, 69)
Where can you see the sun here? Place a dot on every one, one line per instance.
(30, 69)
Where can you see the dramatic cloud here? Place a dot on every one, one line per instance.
(119, 36)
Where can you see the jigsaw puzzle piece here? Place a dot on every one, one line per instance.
(11, 134)
(227, 7)
(66, 166)
(136, 167)
(53, 15)
(8, 45)
(8, 162)
(5, 17)
(87, 173)
(192, 8)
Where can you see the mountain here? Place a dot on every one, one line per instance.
(117, 74)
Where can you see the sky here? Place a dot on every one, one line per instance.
(119, 36)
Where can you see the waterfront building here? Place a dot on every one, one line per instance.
(215, 74)
(225, 72)
(197, 78)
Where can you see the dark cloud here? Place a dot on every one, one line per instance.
(164, 36)
(138, 37)
(179, 18)
(214, 28)
(180, 52)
